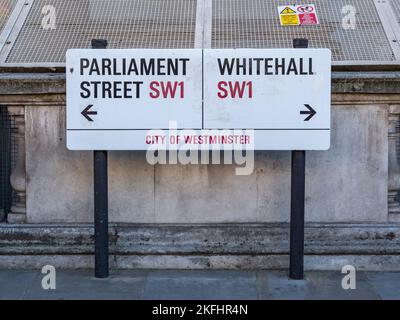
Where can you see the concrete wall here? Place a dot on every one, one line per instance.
(348, 183)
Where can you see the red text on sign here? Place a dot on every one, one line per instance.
(235, 89)
(167, 89)
(157, 139)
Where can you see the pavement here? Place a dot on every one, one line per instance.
(197, 285)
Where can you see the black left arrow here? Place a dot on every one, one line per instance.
(310, 112)
(86, 112)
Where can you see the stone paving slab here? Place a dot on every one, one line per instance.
(201, 285)
(83, 285)
(14, 284)
(197, 284)
(386, 284)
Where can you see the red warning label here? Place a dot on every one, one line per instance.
(307, 19)
(306, 9)
(300, 15)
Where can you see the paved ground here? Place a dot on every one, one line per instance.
(178, 284)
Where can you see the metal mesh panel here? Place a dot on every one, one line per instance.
(6, 8)
(396, 7)
(124, 23)
(255, 24)
(8, 158)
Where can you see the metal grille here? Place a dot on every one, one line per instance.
(6, 8)
(255, 24)
(8, 158)
(396, 7)
(53, 26)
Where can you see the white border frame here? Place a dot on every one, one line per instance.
(13, 29)
(390, 25)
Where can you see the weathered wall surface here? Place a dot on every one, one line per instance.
(357, 182)
(202, 246)
(345, 184)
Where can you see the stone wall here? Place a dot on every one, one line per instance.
(204, 215)
(348, 183)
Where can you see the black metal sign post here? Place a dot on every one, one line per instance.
(100, 201)
(297, 202)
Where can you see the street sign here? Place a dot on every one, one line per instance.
(283, 94)
(128, 99)
(115, 96)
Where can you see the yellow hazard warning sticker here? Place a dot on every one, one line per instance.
(298, 15)
(287, 10)
(290, 20)
(288, 16)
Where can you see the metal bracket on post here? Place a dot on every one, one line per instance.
(100, 201)
(297, 203)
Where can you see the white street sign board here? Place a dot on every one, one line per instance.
(115, 96)
(134, 99)
(283, 94)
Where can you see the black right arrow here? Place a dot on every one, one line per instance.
(311, 112)
(86, 112)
